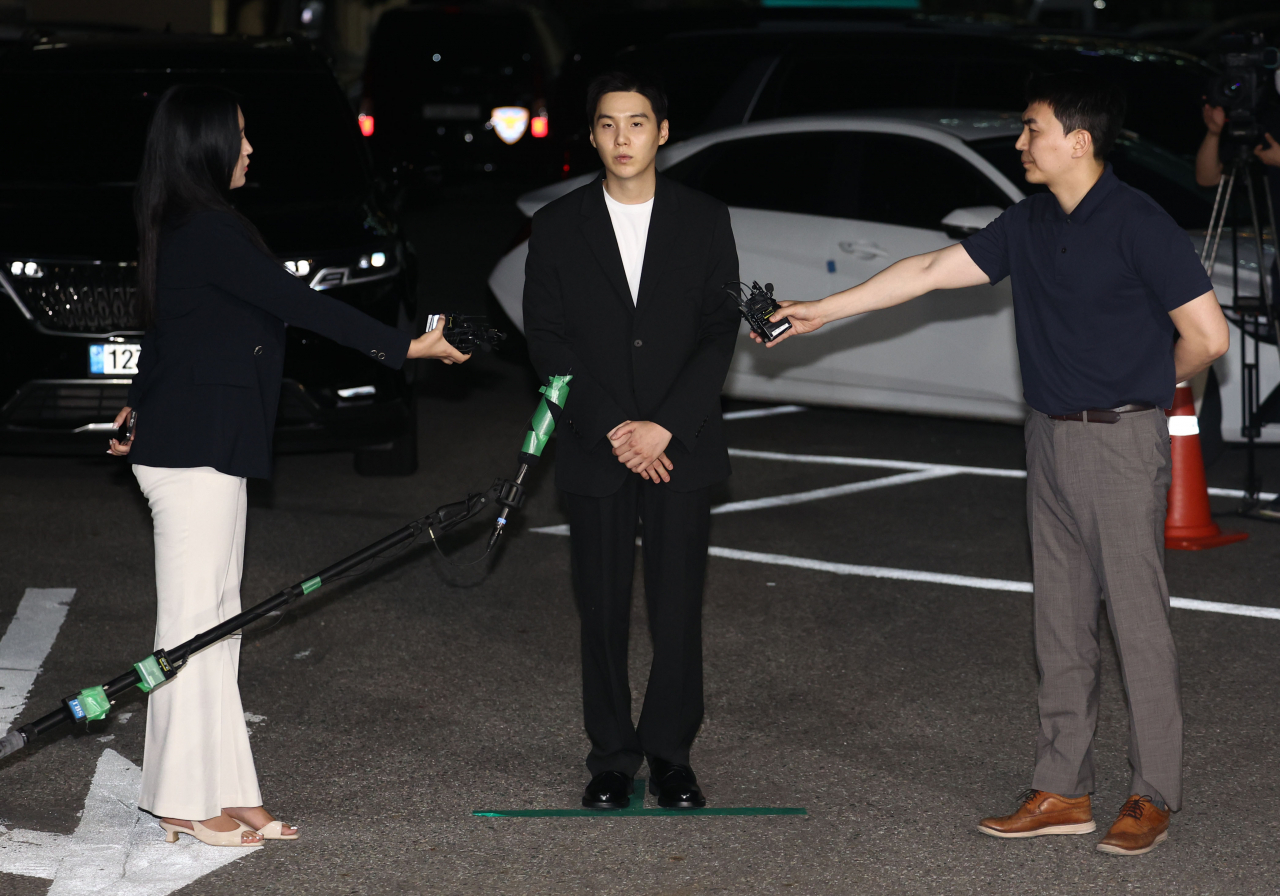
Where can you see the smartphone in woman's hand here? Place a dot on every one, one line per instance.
(124, 434)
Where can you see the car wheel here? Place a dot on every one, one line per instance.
(398, 457)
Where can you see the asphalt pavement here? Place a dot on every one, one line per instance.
(385, 709)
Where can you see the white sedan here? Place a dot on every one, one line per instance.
(821, 204)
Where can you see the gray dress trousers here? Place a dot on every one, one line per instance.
(1096, 498)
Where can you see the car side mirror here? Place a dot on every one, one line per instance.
(964, 221)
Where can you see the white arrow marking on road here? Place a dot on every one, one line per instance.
(116, 850)
(25, 645)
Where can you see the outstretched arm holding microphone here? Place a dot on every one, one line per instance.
(1200, 324)
(429, 346)
(949, 268)
(1112, 309)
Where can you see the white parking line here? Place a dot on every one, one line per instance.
(918, 472)
(26, 643)
(1211, 606)
(833, 491)
(875, 462)
(879, 463)
(764, 412)
(940, 578)
(1239, 493)
(875, 572)
(817, 494)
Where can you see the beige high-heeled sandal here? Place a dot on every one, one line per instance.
(205, 835)
(275, 831)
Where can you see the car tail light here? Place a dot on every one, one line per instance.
(538, 126)
(366, 124)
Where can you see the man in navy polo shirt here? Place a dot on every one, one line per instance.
(1112, 310)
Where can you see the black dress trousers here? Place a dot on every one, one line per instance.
(676, 527)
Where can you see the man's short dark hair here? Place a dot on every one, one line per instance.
(1082, 102)
(625, 82)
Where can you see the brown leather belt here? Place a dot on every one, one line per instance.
(1103, 415)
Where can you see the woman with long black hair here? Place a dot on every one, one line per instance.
(216, 304)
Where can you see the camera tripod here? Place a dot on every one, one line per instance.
(1256, 316)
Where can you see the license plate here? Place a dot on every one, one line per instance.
(114, 359)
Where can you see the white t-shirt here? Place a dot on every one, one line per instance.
(631, 227)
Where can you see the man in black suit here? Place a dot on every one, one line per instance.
(624, 290)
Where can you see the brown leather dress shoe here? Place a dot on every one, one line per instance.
(1043, 813)
(1140, 828)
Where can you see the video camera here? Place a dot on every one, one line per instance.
(756, 304)
(466, 332)
(1245, 87)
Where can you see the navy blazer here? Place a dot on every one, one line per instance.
(209, 374)
(663, 358)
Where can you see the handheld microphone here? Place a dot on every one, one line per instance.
(466, 332)
(756, 307)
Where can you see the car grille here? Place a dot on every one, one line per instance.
(83, 298)
(62, 404)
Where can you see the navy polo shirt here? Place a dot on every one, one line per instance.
(1092, 292)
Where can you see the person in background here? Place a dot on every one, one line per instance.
(216, 304)
(1209, 161)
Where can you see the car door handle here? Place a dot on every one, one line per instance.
(864, 249)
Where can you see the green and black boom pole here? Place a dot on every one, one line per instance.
(95, 702)
(541, 425)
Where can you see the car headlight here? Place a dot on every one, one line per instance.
(509, 123)
(300, 267)
(30, 269)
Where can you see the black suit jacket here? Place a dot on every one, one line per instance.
(662, 359)
(208, 380)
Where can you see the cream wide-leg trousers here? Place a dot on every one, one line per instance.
(197, 758)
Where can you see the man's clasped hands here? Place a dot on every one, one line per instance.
(641, 445)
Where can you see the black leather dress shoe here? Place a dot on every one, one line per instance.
(608, 790)
(675, 786)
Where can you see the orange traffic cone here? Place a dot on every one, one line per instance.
(1189, 527)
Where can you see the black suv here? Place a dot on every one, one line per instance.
(78, 109)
